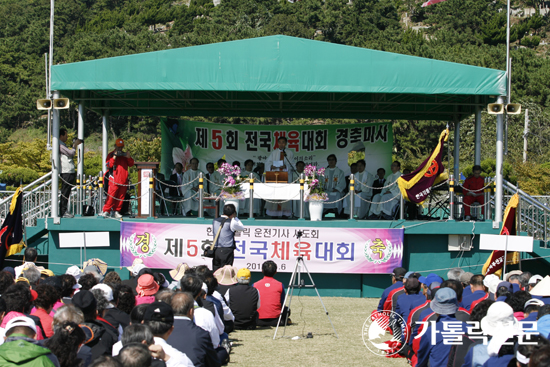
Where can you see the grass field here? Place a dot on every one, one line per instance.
(257, 347)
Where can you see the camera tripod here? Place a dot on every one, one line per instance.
(296, 281)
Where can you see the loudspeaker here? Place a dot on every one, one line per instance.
(44, 104)
(495, 108)
(513, 108)
(61, 103)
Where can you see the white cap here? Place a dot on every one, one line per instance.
(75, 272)
(21, 321)
(535, 278)
(137, 268)
(106, 290)
(488, 279)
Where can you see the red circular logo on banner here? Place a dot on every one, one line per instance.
(432, 170)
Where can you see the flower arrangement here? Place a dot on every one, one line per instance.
(316, 190)
(232, 182)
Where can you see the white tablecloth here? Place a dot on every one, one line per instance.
(275, 191)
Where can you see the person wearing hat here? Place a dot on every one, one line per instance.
(434, 352)
(499, 324)
(397, 285)
(226, 277)
(224, 246)
(117, 163)
(146, 289)
(160, 318)
(135, 271)
(478, 293)
(21, 348)
(533, 281)
(244, 301)
(99, 338)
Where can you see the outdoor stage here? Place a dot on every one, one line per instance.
(426, 245)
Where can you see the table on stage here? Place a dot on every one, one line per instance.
(275, 191)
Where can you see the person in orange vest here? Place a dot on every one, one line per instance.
(473, 191)
(118, 163)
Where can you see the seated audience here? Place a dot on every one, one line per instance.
(272, 294)
(397, 285)
(65, 344)
(160, 318)
(47, 296)
(190, 339)
(244, 301)
(478, 293)
(21, 347)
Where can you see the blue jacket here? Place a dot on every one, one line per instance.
(476, 356)
(387, 291)
(543, 325)
(407, 302)
(467, 301)
(435, 352)
(498, 361)
(466, 292)
(530, 322)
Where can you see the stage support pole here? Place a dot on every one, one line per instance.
(499, 163)
(456, 169)
(301, 196)
(525, 132)
(251, 199)
(100, 192)
(452, 197)
(477, 157)
(201, 196)
(105, 136)
(352, 196)
(55, 162)
(80, 148)
(401, 207)
(151, 193)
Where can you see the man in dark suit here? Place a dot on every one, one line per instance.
(177, 179)
(188, 337)
(379, 181)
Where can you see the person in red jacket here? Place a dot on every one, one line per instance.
(272, 296)
(473, 191)
(118, 162)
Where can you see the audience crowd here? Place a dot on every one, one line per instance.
(467, 319)
(92, 318)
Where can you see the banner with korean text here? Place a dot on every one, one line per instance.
(325, 250)
(183, 140)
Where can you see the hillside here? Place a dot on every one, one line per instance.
(464, 31)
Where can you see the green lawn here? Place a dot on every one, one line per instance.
(257, 347)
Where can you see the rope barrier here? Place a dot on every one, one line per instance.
(178, 201)
(182, 185)
(372, 187)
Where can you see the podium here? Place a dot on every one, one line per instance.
(276, 177)
(146, 170)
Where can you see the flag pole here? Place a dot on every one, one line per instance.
(508, 84)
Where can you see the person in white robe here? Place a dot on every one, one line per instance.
(389, 194)
(363, 190)
(300, 165)
(334, 185)
(190, 187)
(275, 163)
(245, 207)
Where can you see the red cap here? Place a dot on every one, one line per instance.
(34, 295)
(119, 143)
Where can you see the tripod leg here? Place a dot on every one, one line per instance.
(288, 293)
(318, 295)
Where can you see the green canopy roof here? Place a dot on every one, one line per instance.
(279, 76)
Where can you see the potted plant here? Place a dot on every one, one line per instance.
(317, 195)
(231, 191)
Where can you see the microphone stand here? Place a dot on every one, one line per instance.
(289, 162)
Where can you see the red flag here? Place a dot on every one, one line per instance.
(495, 262)
(431, 2)
(417, 185)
